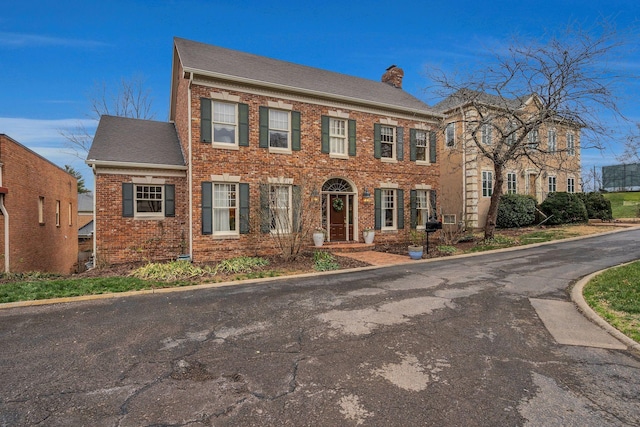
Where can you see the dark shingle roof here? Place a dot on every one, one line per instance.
(85, 202)
(235, 65)
(122, 139)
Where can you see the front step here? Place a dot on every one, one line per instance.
(346, 247)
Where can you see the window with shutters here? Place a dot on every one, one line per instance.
(149, 200)
(279, 130)
(224, 123)
(422, 147)
(225, 208)
(389, 209)
(387, 142)
(280, 209)
(338, 137)
(422, 208)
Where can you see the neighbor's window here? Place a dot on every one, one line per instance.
(552, 184)
(338, 136)
(571, 146)
(279, 130)
(280, 208)
(225, 123)
(487, 183)
(511, 183)
(551, 135)
(389, 215)
(387, 142)
(421, 146)
(486, 133)
(225, 209)
(450, 134)
(571, 185)
(149, 200)
(41, 210)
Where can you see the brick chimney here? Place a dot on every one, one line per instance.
(393, 76)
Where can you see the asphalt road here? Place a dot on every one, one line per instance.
(455, 342)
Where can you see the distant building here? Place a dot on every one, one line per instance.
(38, 202)
(621, 177)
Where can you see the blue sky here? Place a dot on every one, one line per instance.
(53, 53)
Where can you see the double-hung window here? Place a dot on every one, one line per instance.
(422, 147)
(389, 209)
(279, 130)
(280, 208)
(450, 134)
(422, 208)
(486, 134)
(551, 136)
(510, 133)
(511, 183)
(224, 122)
(225, 127)
(571, 146)
(487, 183)
(338, 136)
(571, 185)
(552, 184)
(387, 142)
(149, 200)
(225, 208)
(532, 138)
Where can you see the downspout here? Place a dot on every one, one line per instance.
(464, 170)
(3, 209)
(189, 173)
(95, 224)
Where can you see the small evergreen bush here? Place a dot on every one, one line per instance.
(564, 208)
(597, 206)
(516, 210)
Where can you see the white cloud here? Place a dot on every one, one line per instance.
(16, 40)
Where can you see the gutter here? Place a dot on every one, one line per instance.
(114, 164)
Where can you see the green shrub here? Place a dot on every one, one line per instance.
(170, 271)
(241, 264)
(516, 210)
(324, 261)
(564, 208)
(597, 206)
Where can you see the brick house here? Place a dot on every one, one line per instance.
(38, 202)
(550, 163)
(251, 140)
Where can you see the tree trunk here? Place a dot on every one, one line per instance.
(492, 215)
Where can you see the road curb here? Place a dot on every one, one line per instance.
(578, 299)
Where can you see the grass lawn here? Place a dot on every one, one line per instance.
(615, 296)
(624, 205)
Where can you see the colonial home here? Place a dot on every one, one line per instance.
(38, 221)
(255, 147)
(480, 125)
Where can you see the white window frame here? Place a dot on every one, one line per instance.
(552, 184)
(57, 213)
(274, 129)
(422, 137)
(215, 122)
(449, 218)
(338, 142)
(232, 209)
(571, 145)
(487, 131)
(552, 141)
(136, 199)
(512, 183)
(388, 136)
(487, 183)
(70, 214)
(41, 210)
(571, 184)
(273, 207)
(532, 138)
(450, 134)
(423, 203)
(389, 204)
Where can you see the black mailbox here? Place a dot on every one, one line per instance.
(432, 225)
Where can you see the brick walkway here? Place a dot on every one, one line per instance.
(376, 258)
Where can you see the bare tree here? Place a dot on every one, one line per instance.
(530, 86)
(591, 180)
(129, 99)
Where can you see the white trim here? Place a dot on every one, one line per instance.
(389, 122)
(423, 187)
(389, 185)
(147, 180)
(339, 114)
(224, 96)
(280, 105)
(137, 171)
(113, 164)
(281, 180)
(225, 177)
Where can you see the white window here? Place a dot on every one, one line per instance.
(448, 219)
(421, 146)
(387, 142)
(571, 185)
(57, 213)
(512, 187)
(225, 123)
(225, 208)
(571, 146)
(450, 134)
(279, 130)
(551, 135)
(280, 208)
(422, 208)
(70, 214)
(532, 138)
(338, 136)
(552, 184)
(149, 200)
(487, 130)
(41, 210)
(511, 133)
(389, 209)
(487, 183)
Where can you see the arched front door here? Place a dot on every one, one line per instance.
(338, 209)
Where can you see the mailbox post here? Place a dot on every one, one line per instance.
(432, 226)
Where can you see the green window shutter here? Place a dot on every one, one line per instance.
(264, 127)
(400, 143)
(413, 155)
(207, 207)
(413, 202)
(400, 194)
(432, 202)
(169, 200)
(433, 149)
(243, 125)
(205, 120)
(324, 124)
(265, 212)
(297, 208)
(352, 137)
(295, 130)
(127, 199)
(244, 209)
(377, 208)
(377, 148)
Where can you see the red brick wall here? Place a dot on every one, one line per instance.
(34, 246)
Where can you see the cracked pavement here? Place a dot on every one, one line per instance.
(455, 342)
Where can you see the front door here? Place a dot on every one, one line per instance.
(337, 217)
